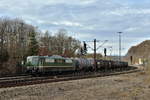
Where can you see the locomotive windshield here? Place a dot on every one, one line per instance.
(32, 60)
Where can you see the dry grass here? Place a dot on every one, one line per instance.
(146, 72)
(122, 87)
(147, 69)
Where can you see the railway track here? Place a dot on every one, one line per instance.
(29, 80)
(14, 77)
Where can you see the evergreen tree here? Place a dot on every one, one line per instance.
(4, 56)
(33, 47)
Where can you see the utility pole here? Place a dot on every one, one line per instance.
(119, 46)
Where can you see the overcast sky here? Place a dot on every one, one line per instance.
(86, 19)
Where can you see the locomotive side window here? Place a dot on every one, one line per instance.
(68, 61)
(47, 60)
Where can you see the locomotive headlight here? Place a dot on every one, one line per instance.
(98, 62)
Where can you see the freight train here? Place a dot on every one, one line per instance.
(55, 63)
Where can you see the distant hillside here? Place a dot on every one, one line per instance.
(139, 53)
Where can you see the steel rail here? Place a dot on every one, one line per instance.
(59, 78)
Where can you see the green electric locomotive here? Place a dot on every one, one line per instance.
(43, 64)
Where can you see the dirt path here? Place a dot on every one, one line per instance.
(122, 87)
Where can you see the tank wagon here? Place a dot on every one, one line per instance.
(84, 64)
(55, 63)
(109, 64)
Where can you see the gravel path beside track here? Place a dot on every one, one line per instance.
(133, 86)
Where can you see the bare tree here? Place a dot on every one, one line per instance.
(60, 44)
(14, 41)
